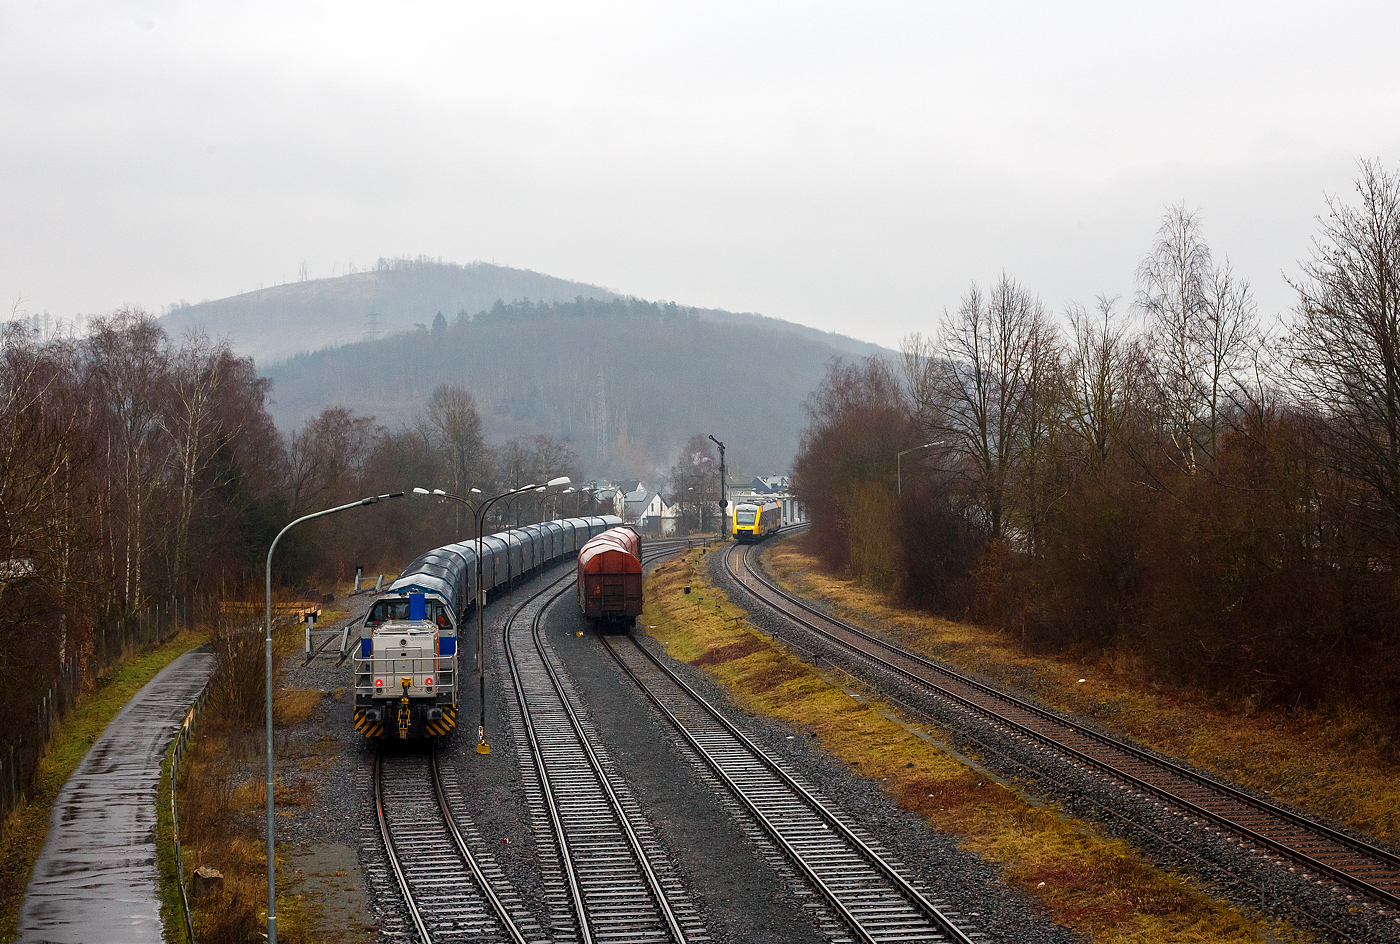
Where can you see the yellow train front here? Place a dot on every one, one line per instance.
(755, 522)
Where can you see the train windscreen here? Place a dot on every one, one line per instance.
(397, 609)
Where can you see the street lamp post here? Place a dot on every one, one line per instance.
(481, 746)
(441, 495)
(271, 850)
(722, 503)
(898, 477)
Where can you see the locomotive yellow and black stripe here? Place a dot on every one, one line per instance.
(369, 722)
(445, 726)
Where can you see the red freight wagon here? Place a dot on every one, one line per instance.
(610, 577)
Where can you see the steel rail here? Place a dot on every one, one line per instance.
(489, 890)
(652, 882)
(1297, 821)
(414, 911)
(474, 869)
(942, 922)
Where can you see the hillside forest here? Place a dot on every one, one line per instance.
(1164, 482)
(626, 381)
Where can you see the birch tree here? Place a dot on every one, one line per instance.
(1172, 282)
(129, 370)
(45, 444)
(1201, 329)
(201, 376)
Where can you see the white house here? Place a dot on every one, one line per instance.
(650, 512)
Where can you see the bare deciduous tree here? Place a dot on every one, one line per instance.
(694, 483)
(327, 457)
(1346, 347)
(453, 427)
(1201, 329)
(129, 369)
(1173, 279)
(1096, 385)
(201, 373)
(977, 387)
(1227, 338)
(43, 449)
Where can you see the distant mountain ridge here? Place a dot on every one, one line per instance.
(273, 324)
(626, 381)
(276, 323)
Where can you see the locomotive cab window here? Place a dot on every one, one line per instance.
(397, 609)
(745, 515)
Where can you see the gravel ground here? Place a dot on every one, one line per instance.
(327, 838)
(739, 897)
(1228, 868)
(959, 882)
(743, 889)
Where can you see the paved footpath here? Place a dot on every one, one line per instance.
(97, 879)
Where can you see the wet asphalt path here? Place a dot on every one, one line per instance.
(97, 878)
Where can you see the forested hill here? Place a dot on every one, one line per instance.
(626, 382)
(274, 323)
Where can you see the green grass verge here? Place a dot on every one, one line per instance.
(23, 834)
(1083, 878)
(171, 913)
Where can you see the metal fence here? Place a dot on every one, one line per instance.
(181, 742)
(114, 642)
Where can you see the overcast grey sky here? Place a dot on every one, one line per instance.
(848, 166)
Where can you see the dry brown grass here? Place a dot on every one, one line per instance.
(1084, 880)
(294, 705)
(1334, 766)
(223, 797)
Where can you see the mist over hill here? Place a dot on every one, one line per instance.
(275, 323)
(627, 382)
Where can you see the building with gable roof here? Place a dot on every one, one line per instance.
(649, 511)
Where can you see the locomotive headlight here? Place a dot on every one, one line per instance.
(427, 681)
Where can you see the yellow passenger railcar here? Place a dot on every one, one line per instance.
(755, 522)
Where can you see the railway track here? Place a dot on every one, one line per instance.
(616, 892)
(875, 902)
(1326, 852)
(450, 894)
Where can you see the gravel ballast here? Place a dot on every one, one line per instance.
(744, 890)
(1225, 866)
